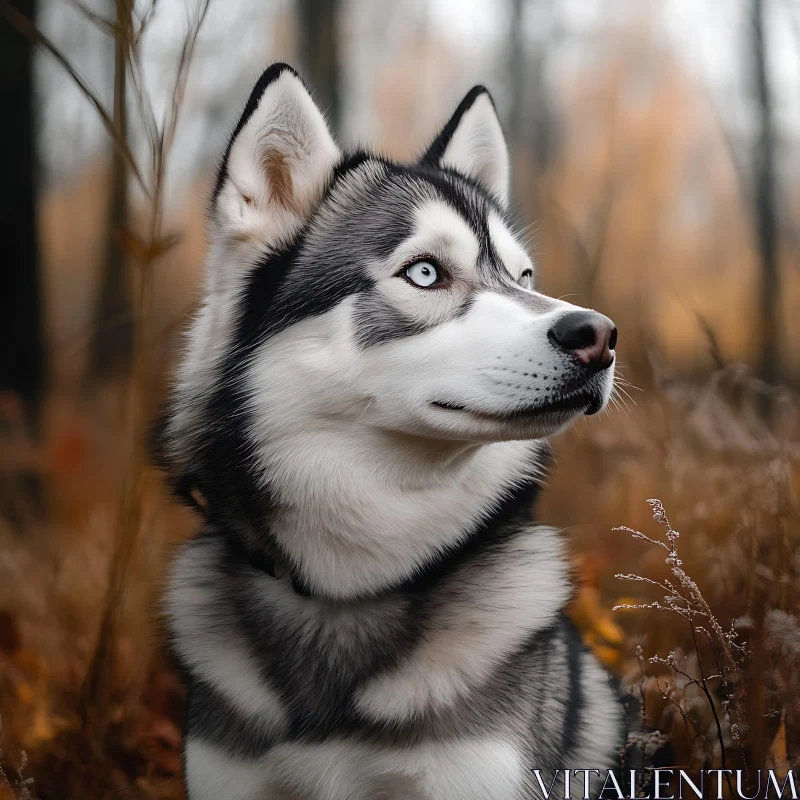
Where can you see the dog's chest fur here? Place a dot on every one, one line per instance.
(455, 687)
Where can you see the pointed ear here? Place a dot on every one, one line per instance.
(473, 144)
(277, 163)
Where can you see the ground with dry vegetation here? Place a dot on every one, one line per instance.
(704, 581)
(706, 634)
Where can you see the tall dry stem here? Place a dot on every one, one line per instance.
(100, 683)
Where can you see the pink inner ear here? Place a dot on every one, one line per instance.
(279, 179)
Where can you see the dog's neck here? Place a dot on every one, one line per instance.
(371, 514)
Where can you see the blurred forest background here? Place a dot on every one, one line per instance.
(656, 159)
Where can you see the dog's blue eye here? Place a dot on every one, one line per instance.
(526, 279)
(423, 274)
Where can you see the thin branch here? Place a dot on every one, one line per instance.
(144, 20)
(28, 29)
(106, 25)
(179, 89)
(710, 699)
(686, 718)
(98, 687)
(143, 100)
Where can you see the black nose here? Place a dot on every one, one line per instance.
(587, 335)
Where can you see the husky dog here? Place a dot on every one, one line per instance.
(369, 611)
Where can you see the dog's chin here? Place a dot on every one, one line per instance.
(536, 421)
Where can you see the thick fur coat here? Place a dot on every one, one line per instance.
(370, 610)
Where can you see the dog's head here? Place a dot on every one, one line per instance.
(352, 292)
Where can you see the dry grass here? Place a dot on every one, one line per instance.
(727, 480)
(708, 608)
(58, 554)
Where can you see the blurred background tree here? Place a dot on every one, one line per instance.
(765, 202)
(23, 365)
(112, 340)
(318, 51)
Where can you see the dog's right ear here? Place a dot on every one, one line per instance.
(473, 144)
(277, 164)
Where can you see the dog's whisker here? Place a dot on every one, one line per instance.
(627, 383)
(619, 402)
(622, 391)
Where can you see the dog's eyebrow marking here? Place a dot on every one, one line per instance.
(512, 256)
(438, 224)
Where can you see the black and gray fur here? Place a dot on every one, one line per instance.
(330, 670)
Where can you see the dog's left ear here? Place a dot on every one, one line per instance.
(472, 143)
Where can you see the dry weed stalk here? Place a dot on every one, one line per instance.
(683, 597)
(731, 474)
(99, 681)
(18, 786)
(98, 688)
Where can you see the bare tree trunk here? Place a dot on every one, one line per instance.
(517, 74)
(318, 38)
(524, 166)
(22, 365)
(765, 206)
(111, 350)
(531, 118)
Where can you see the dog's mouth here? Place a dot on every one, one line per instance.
(586, 401)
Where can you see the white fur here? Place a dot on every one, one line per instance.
(389, 500)
(341, 769)
(513, 599)
(478, 148)
(208, 340)
(513, 255)
(358, 459)
(212, 774)
(601, 708)
(206, 635)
